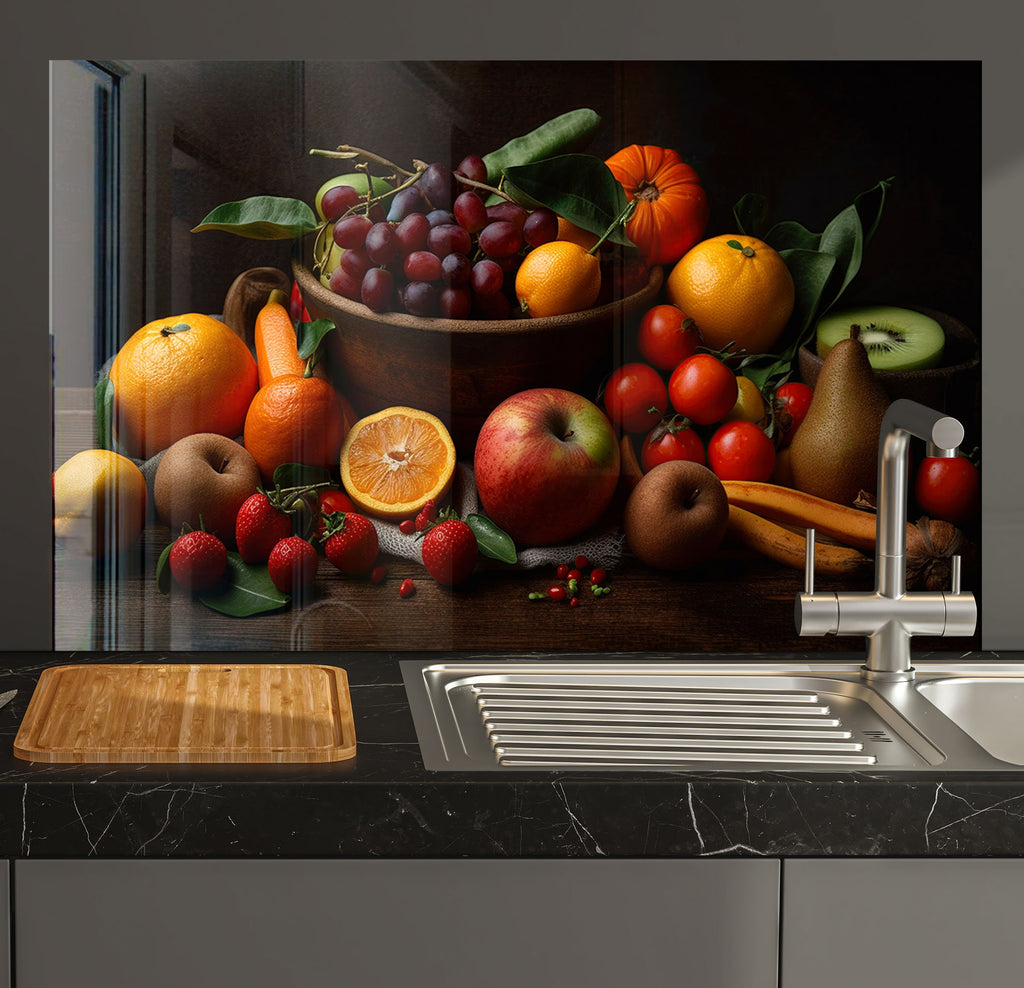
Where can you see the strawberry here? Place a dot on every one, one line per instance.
(351, 543)
(259, 526)
(197, 560)
(450, 551)
(292, 565)
(328, 501)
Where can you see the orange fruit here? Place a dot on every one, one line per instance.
(736, 289)
(99, 502)
(556, 278)
(575, 234)
(294, 419)
(394, 461)
(178, 376)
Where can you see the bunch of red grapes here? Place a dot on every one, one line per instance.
(438, 249)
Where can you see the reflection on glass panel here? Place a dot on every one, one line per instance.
(720, 151)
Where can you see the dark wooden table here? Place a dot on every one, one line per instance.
(737, 602)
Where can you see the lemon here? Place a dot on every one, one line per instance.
(99, 502)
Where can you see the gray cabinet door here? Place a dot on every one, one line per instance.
(397, 923)
(884, 921)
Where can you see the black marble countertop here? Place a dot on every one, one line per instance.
(383, 803)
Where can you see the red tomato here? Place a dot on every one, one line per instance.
(792, 401)
(635, 397)
(666, 337)
(948, 488)
(703, 389)
(741, 451)
(672, 440)
(332, 500)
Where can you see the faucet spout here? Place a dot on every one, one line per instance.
(903, 419)
(890, 616)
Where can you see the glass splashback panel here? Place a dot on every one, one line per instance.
(529, 387)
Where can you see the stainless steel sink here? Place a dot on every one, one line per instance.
(990, 710)
(605, 713)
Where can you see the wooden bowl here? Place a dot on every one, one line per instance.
(930, 386)
(461, 369)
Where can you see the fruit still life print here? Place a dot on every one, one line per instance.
(647, 410)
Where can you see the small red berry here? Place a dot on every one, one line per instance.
(562, 572)
(378, 574)
(426, 517)
(557, 593)
(197, 560)
(574, 574)
(407, 526)
(598, 576)
(582, 562)
(292, 565)
(406, 588)
(574, 602)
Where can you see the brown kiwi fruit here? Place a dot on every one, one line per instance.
(676, 516)
(201, 481)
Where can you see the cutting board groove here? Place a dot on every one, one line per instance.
(188, 713)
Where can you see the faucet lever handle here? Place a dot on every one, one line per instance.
(809, 563)
(954, 567)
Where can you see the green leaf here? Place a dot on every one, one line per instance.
(869, 220)
(790, 235)
(262, 218)
(811, 271)
(766, 370)
(491, 540)
(844, 239)
(249, 590)
(750, 214)
(563, 134)
(292, 475)
(104, 404)
(311, 334)
(579, 187)
(163, 570)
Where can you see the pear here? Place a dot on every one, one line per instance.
(834, 453)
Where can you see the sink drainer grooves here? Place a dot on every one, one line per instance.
(545, 724)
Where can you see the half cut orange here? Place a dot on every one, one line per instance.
(394, 461)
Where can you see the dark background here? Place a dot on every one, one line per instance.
(808, 135)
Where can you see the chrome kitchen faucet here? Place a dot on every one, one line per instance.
(889, 616)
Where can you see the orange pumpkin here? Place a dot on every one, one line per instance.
(671, 206)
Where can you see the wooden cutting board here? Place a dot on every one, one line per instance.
(188, 713)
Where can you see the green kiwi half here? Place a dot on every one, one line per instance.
(896, 339)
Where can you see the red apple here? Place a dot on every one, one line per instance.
(546, 464)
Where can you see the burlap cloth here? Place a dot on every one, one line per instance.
(601, 545)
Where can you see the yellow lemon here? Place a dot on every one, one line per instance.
(99, 502)
(750, 406)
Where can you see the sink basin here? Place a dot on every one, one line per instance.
(602, 713)
(989, 709)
